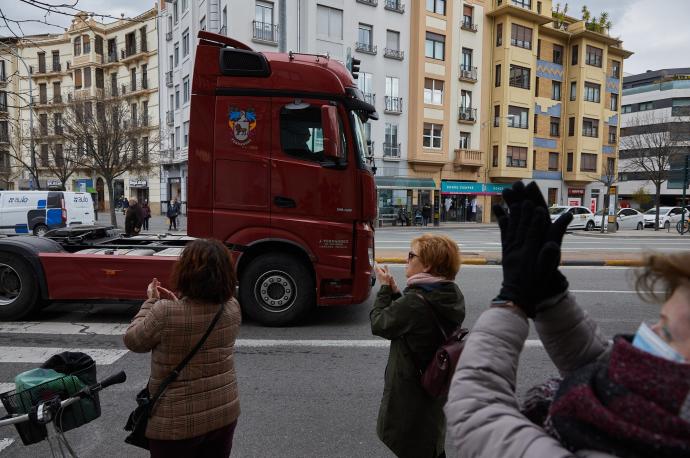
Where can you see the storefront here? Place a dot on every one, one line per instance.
(403, 193)
(139, 189)
(576, 196)
(469, 201)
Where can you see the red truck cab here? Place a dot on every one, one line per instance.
(278, 171)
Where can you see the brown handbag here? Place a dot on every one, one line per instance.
(436, 378)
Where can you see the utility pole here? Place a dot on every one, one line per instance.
(685, 186)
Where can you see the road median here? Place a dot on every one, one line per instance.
(479, 261)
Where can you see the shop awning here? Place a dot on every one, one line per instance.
(405, 183)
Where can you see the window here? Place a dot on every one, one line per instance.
(494, 156)
(558, 54)
(553, 162)
(614, 102)
(177, 54)
(593, 56)
(57, 123)
(497, 115)
(176, 13)
(535, 122)
(365, 38)
(145, 149)
(590, 127)
(466, 59)
(391, 147)
(87, 76)
(77, 46)
(612, 135)
(185, 43)
(56, 60)
(615, 69)
(464, 140)
(77, 78)
(536, 86)
(301, 134)
(133, 79)
(519, 76)
(185, 134)
(263, 27)
(626, 109)
(433, 134)
(177, 96)
(521, 36)
(498, 75)
(465, 99)
(527, 4)
(611, 169)
(365, 83)
(588, 162)
(592, 92)
(555, 127)
(552, 196)
(516, 156)
(57, 93)
(435, 46)
(555, 90)
(539, 48)
(645, 106)
(393, 40)
(45, 155)
(569, 164)
(185, 5)
(436, 6)
(177, 137)
(330, 23)
(571, 127)
(517, 117)
(534, 159)
(575, 52)
(573, 90)
(499, 34)
(185, 89)
(467, 16)
(393, 99)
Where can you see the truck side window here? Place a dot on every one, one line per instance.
(301, 134)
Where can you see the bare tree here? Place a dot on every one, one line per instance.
(115, 140)
(649, 145)
(608, 177)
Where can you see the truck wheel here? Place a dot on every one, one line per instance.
(276, 289)
(18, 288)
(40, 230)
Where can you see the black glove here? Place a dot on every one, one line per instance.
(531, 248)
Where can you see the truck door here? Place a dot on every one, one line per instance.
(240, 156)
(311, 196)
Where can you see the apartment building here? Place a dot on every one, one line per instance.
(374, 31)
(654, 101)
(44, 73)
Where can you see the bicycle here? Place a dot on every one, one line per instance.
(54, 410)
(683, 226)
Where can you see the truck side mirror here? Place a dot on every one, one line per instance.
(331, 132)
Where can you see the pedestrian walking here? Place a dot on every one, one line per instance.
(147, 214)
(628, 397)
(410, 422)
(473, 206)
(134, 218)
(173, 213)
(125, 204)
(197, 413)
(426, 213)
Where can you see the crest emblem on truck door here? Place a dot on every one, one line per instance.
(242, 124)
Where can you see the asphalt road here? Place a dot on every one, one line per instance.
(306, 391)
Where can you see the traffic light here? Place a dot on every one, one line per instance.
(354, 67)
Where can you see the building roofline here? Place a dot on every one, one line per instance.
(655, 74)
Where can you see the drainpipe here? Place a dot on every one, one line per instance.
(282, 32)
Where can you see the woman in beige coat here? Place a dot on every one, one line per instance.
(197, 413)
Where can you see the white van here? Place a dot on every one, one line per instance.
(25, 212)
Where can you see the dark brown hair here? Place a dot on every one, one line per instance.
(662, 272)
(440, 253)
(205, 272)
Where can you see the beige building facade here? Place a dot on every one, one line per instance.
(44, 73)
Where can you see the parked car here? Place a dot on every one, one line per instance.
(626, 218)
(667, 216)
(583, 218)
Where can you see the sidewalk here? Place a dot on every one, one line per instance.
(633, 234)
(158, 224)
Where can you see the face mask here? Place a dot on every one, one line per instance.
(647, 340)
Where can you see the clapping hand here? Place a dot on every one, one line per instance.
(384, 277)
(156, 291)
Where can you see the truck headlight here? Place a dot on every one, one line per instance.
(370, 251)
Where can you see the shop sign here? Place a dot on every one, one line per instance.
(496, 188)
(470, 187)
(576, 192)
(54, 183)
(137, 183)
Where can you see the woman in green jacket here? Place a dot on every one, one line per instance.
(411, 422)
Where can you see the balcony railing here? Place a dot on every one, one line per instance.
(526, 4)
(369, 2)
(393, 53)
(170, 118)
(112, 57)
(468, 73)
(168, 36)
(393, 104)
(468, 158)
(395, 5)
(58, 130)
(265, 31)
(612, 139)
(468, 25)
(391, 150)
(57, 98)
(467, 115)
(169, 78)
(370, 97)
(365, 47)
(57, 67)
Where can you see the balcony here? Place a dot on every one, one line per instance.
(467, 115)
(393, 53)
(391, 151)
(39, 100)
(465, 158)
(265, 32)
(57, 99)
(468, 73)
(366, 48)
(370, 98)
(168, 36)
(395, 5)
(369, 2)
(170, 118)
(394, 105)
(469, 26)
(169, 78)
(133, 52)
(112, 57)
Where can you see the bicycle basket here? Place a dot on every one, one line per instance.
(79, 413)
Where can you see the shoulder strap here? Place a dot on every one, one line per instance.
(176, 372)
(433, 314)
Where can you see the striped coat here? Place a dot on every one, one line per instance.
(204, 397)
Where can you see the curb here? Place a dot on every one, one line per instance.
(567, 263)
(474, 261)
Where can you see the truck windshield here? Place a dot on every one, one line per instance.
(360, 141)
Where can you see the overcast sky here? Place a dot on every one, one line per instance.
(656, 32)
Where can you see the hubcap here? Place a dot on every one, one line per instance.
(275, 291)
(10, 285)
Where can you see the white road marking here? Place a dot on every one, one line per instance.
(364, 343)
(55, 327)
(33, 355)
(5, 387)
(4, 443)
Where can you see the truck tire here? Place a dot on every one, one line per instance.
(18, 288)
(40, 230)
(277, 289)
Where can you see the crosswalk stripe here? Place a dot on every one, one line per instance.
(56, 327)
(4, 443)
(102, 356)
